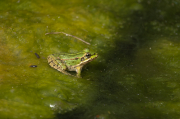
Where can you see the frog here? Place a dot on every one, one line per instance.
(65, 62)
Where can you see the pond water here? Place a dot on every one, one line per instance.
(136, 74)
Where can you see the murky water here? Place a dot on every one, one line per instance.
(136, 74)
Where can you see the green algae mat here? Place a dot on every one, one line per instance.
(136, 73)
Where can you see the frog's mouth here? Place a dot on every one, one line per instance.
(89, 59)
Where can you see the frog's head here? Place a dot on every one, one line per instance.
(88, 57)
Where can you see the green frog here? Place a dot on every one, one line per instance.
(65, 62)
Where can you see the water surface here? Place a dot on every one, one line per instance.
(136, 74)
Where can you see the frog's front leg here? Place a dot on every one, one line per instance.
(78, 70)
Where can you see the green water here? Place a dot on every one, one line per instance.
(136, 74)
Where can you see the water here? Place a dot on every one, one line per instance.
(136, 74)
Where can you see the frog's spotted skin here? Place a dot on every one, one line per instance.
(71, 62)
(53, 63)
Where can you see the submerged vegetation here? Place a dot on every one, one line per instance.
(136, 74)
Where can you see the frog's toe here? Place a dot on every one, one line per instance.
(78, 76)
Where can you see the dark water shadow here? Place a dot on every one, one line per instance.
(129, 98)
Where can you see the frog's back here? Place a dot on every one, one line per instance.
(68, 55)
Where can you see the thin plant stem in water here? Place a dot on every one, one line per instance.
(68, 35)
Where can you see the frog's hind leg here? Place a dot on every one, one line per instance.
(58, 65)
(55, 63)
(64, 72)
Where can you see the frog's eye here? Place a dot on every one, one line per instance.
(88, 55)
